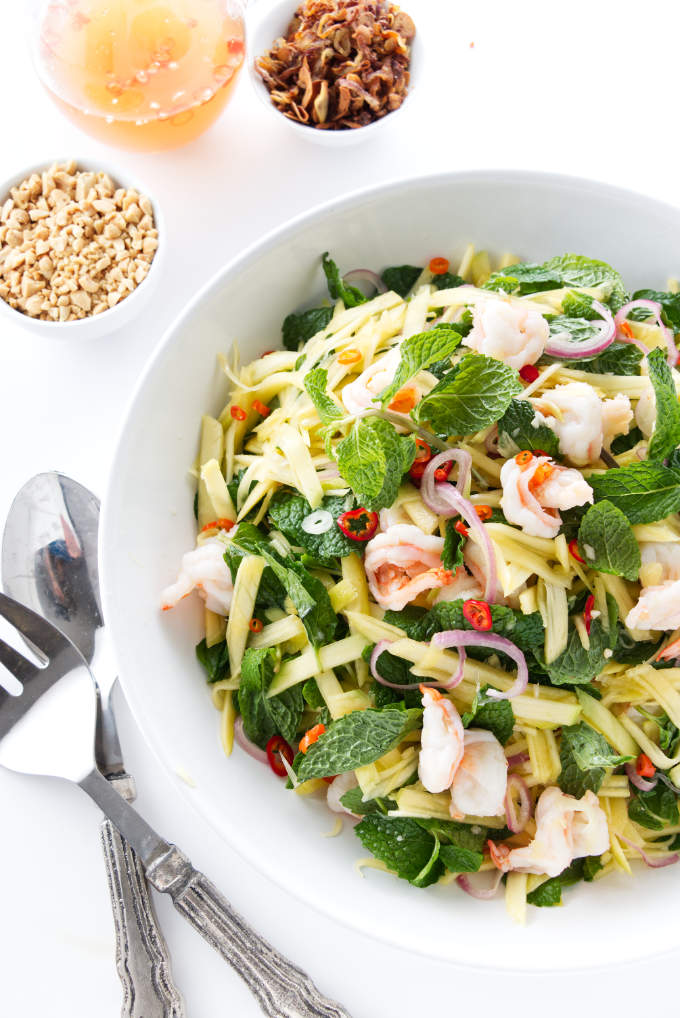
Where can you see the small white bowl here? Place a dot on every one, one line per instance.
(120, 314)
(265, 24)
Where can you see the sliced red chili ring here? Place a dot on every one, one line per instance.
(442, 473)
(524, 458)
(588, 613)
(238, 413)
(485, 512)
(221, 524)
(255, 625)
(311, 736)
(461, 528)
(574, 552)
(644, 766)
(529, 373)
(358, 524)
(478, 614)
(423, 451)
(260, 408)
(438, 266)
(276, 748)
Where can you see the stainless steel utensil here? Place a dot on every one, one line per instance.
(59, 697)
(49, 562)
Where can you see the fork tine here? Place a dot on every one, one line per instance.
(20, 667)
(40, 632)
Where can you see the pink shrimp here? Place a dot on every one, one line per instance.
(362, 392)
(535, 490)
(205, 571)
(582, 422)
(442, 741)
(401, 563)
(509, 332)
(479, 784)
(658, 606)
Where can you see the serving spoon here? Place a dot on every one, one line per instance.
(49, 563)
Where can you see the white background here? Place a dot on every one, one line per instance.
(588, 88)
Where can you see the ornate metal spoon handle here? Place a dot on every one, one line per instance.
(281, 988)
(142, 956)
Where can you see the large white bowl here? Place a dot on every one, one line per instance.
(148, 523)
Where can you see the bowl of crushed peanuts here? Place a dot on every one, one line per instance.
(335, 71)
(79, 249)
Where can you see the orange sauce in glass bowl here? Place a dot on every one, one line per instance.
(141, 74)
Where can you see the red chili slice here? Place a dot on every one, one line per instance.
(442, 473)
(276, 748)
(573, 551)
(358, 524)
(238, 413)
(311, 736)
(528, 373)
(644, 766)
(478, 614)
(588, 613)
(423, 451)
(461, 528)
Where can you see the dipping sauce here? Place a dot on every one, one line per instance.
(141, 74)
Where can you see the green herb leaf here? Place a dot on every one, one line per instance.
(354, 800)
(516, 431)
(403, 845)
(563, 270)
(393, 669)
(401, 278)
(666, 435)
(454, 544)
(300, 326)
(617, 359)
(349, 295)
(356, 739)
(607, 543)
(670, 303)
(585, 755)
(447, 281)
(263, 716)
(215, 659)
(316, 382)
(655, 809)
(576, 666)
(550, 893)
(644, 492)
(373, 458)
(287, 512)
(525, 631)
(420, 352)
(632, 652)
(668, 732)
(496, 716)
(574, 330)
(469, 398)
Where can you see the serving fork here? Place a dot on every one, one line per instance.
(47, 728)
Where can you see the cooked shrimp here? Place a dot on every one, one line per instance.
(535, 490)
(658, 606)
(513, 334)
(645, 411)
(442, 741)
(362, 393)
(577, 416)
(337, 788)
(479, 784)
(461, 586)
(204, 570)
(566, 829)
(401, 563)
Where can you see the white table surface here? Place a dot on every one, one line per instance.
(587, 88)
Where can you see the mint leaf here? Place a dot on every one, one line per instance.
(670, 303)
(373, 458)
(516, 431)
(644, 492)
(404, 847)
(575, 330)
(633, 652)
(215, 659)
(668, 732)
(287, 512)
(526, 631)
(469, 398)
(563, 270)
(655, 809)
(447, 281)
(397, 670)
(454, 543)
(607, 543)
(401, 278)
(315, 382)
(300, 326)
(549, 893)
(356, 739)
(496, 716)
(666, 435)
(420, 352)
(354, 801)
(262, 716)
(617, 359)
(576, 666)
(349, 295)
(470, 837)
(585, 755)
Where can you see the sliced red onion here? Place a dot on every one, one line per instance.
(382, 645)
(317, 522)
(483, 893)
(653, 863)
(365, 276)
(518, 758)
(640, 783)
(604, 337)
(491, 443)
(464, 637)
(449, 502)
(459, 456)
(654, 309)
(245, 743)
(516, 819)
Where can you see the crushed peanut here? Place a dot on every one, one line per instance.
(72, 244)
